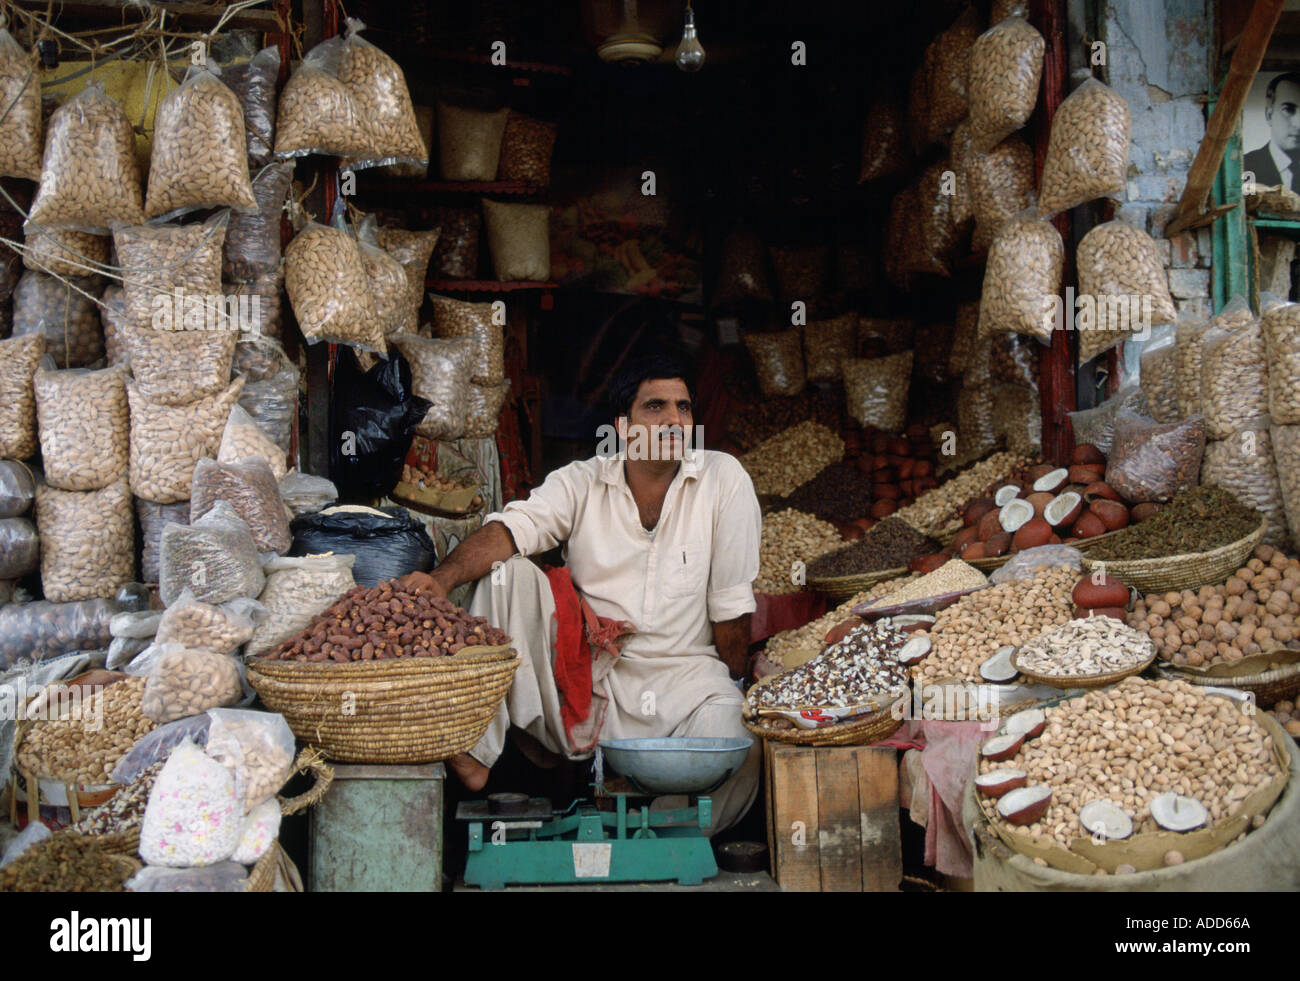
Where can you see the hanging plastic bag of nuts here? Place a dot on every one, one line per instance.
(257, 749)
(389, 287)
(153, 518)
(19, 357)
(252, 245)
(1286, 454)
(1243, 464)
(378, 90)
(20, 548)
(1096, 426)
(827, 343)
(1001, 185)
(885, 150)
(1022, 280)
(742, 276)
(519, 238)
(413, 250)
(455, 318)
(257, 358)
(89, 175)
(1006, 66)
(317, 113)
(875, 390)
(167, 441)
(297, 589)
(61, 252)
(252, 490)
(469, 142)
(87, 541)
(220, 629)
(937, 232)
(198, 158)
(483, 415)
(1018, 419)
(20, 97)
(526, 146)
(64, 313)
(214, 557)
(1281, 327)
(328, 290)
(440, 373)
(259, 305)
(185, 681)
(84, 427)
(1120, 269)
(179, 367)
(254, 86)
(243, 438)
(778, 362)
(172, 273)
(1151, 461)
(950, 72)
(1187, 365)
(1234, 378)
(1087, 151)
(273, 404)
(975, 433)
(1159, 375)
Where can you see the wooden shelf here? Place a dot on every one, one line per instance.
(187, 13)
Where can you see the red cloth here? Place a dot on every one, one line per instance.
(579, 631)
(775, 613)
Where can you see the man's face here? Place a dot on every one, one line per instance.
(1284, 117)
(664, 403)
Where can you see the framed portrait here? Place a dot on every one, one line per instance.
(1270, 131)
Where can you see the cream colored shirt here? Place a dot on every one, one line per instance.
(698, 566)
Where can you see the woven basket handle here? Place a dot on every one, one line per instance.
(309, 760)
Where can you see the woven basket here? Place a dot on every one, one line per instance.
(859, 732)
(1250, 674)
(1087, 681)
(407, 710)
(840, 588)
(1175, 573)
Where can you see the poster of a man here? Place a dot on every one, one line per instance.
(1277, 162)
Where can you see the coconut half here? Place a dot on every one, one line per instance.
(995, 783)
(1006, 494)
(998, 669)
(1014, 514)
(1064, 509)
(1052, 481)
(1025, 805)
(1031, 722)
(1103, 819)
(1001, 748)
(1174, 812)
(914, 650)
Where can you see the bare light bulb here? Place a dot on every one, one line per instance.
(690, 53)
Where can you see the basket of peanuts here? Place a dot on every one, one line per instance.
(389, 674)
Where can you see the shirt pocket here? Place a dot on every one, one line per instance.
(686, 568)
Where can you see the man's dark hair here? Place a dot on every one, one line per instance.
(649, 367)
(1292, 77)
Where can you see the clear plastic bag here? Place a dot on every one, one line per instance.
(936, 233)
(1243, 464)
(1096, 426)
(215, 558)
(975, 433)
(455, 318)
(84, 427)
(258, 833)
(205, 626)
(1234, 379)
(876, 390)
(1013, 360)
(251, 489)
(378, 90)
(413, 250)
(885, 150)
(222, 877)
(743, 274)
(483, 414)
(1152, 461)
(20, 548)
(297, 589)
(61, 252)
(455, 256)
(64, 314)
(252, 245)
(198, 158)
(1022, 280)
(243, 438)
(156, 745)
(87, 541)
(254, 86)
(1188, 353)
(1281, 327)
(1087, 150)
(469, 142)
(519, 238)
(303, 493)
(44, 629)
(132, 635)
(389, 288)
(257, 749)
(167, 441)
(185, 681)
(328, 290)
(259, 306)
(948, 100)
(800, 272)
(440, 372)
(20, 100)
(1159, 375)
(526, 147)
(1286, 455)
(257, 358)
(153, 518)
(1018, 419)
(273, 404)
(826, 345)
(193, 817)
(17, 488)
(1022, 564)
(778, 362)
(112, 314)
(317, 113)
(33, 834)
(179, 367)
(1120, 269)
(960, 155)
(1001, 185)
(1006, 67)
(89, 175)
(171, 270)
(19, 357)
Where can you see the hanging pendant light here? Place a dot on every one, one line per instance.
(690, 53)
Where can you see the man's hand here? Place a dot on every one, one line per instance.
(760, 667)
(421, 582)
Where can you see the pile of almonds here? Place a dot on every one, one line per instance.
(76, 749)
(791, 536)
(793, 457)
(1256, 610)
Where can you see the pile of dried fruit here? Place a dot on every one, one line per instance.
(891, 544)
(1197, 520)
(862, 667)
(66, 862)
(420, 477)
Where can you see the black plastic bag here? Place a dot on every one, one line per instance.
(373, 416)
(386, 547)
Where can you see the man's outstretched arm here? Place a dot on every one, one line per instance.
(471, 560)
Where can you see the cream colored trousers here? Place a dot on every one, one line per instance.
(648, 696)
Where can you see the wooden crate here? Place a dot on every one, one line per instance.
(832, 818)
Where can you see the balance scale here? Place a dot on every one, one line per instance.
(515, 839)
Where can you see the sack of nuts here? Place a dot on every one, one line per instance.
(483, 412)
(1281, 328)
(950, 72)
(221, 629)
(153, 518)
(62, 252)
(378, 90)
(198, 158)
(469, 142)
(19, 357)
(455, 318)
(185, 681)
(259, 304)
(243, 438)
(1117, 262)
(254, 86)
(168, 441)
(526, 146)
(215, 558)
(252, 245)
(1087, 150)
(328, 289)
(778, 362)
(273, 404)
(826, 343)
(297, 589)
(89, 175)
(1001, 185)
(84, 427)
(179, 367)
(413, 250)
(257, 749)
(172, 274)
(1234, 378)
(20, 94)
(1243, 464)
(390, 290)
(87, 541)
(885, 150)
(936, 235)
(1158, 375)
(440, 373)
(252, 490)
(875, 390)
(64, 313)
(317, 113)
(1151, 461)
(519, 238)
(1006, 66)
(1022, 279)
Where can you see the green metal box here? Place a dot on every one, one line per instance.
(378, 829)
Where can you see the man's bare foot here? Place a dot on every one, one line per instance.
(472, 773)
